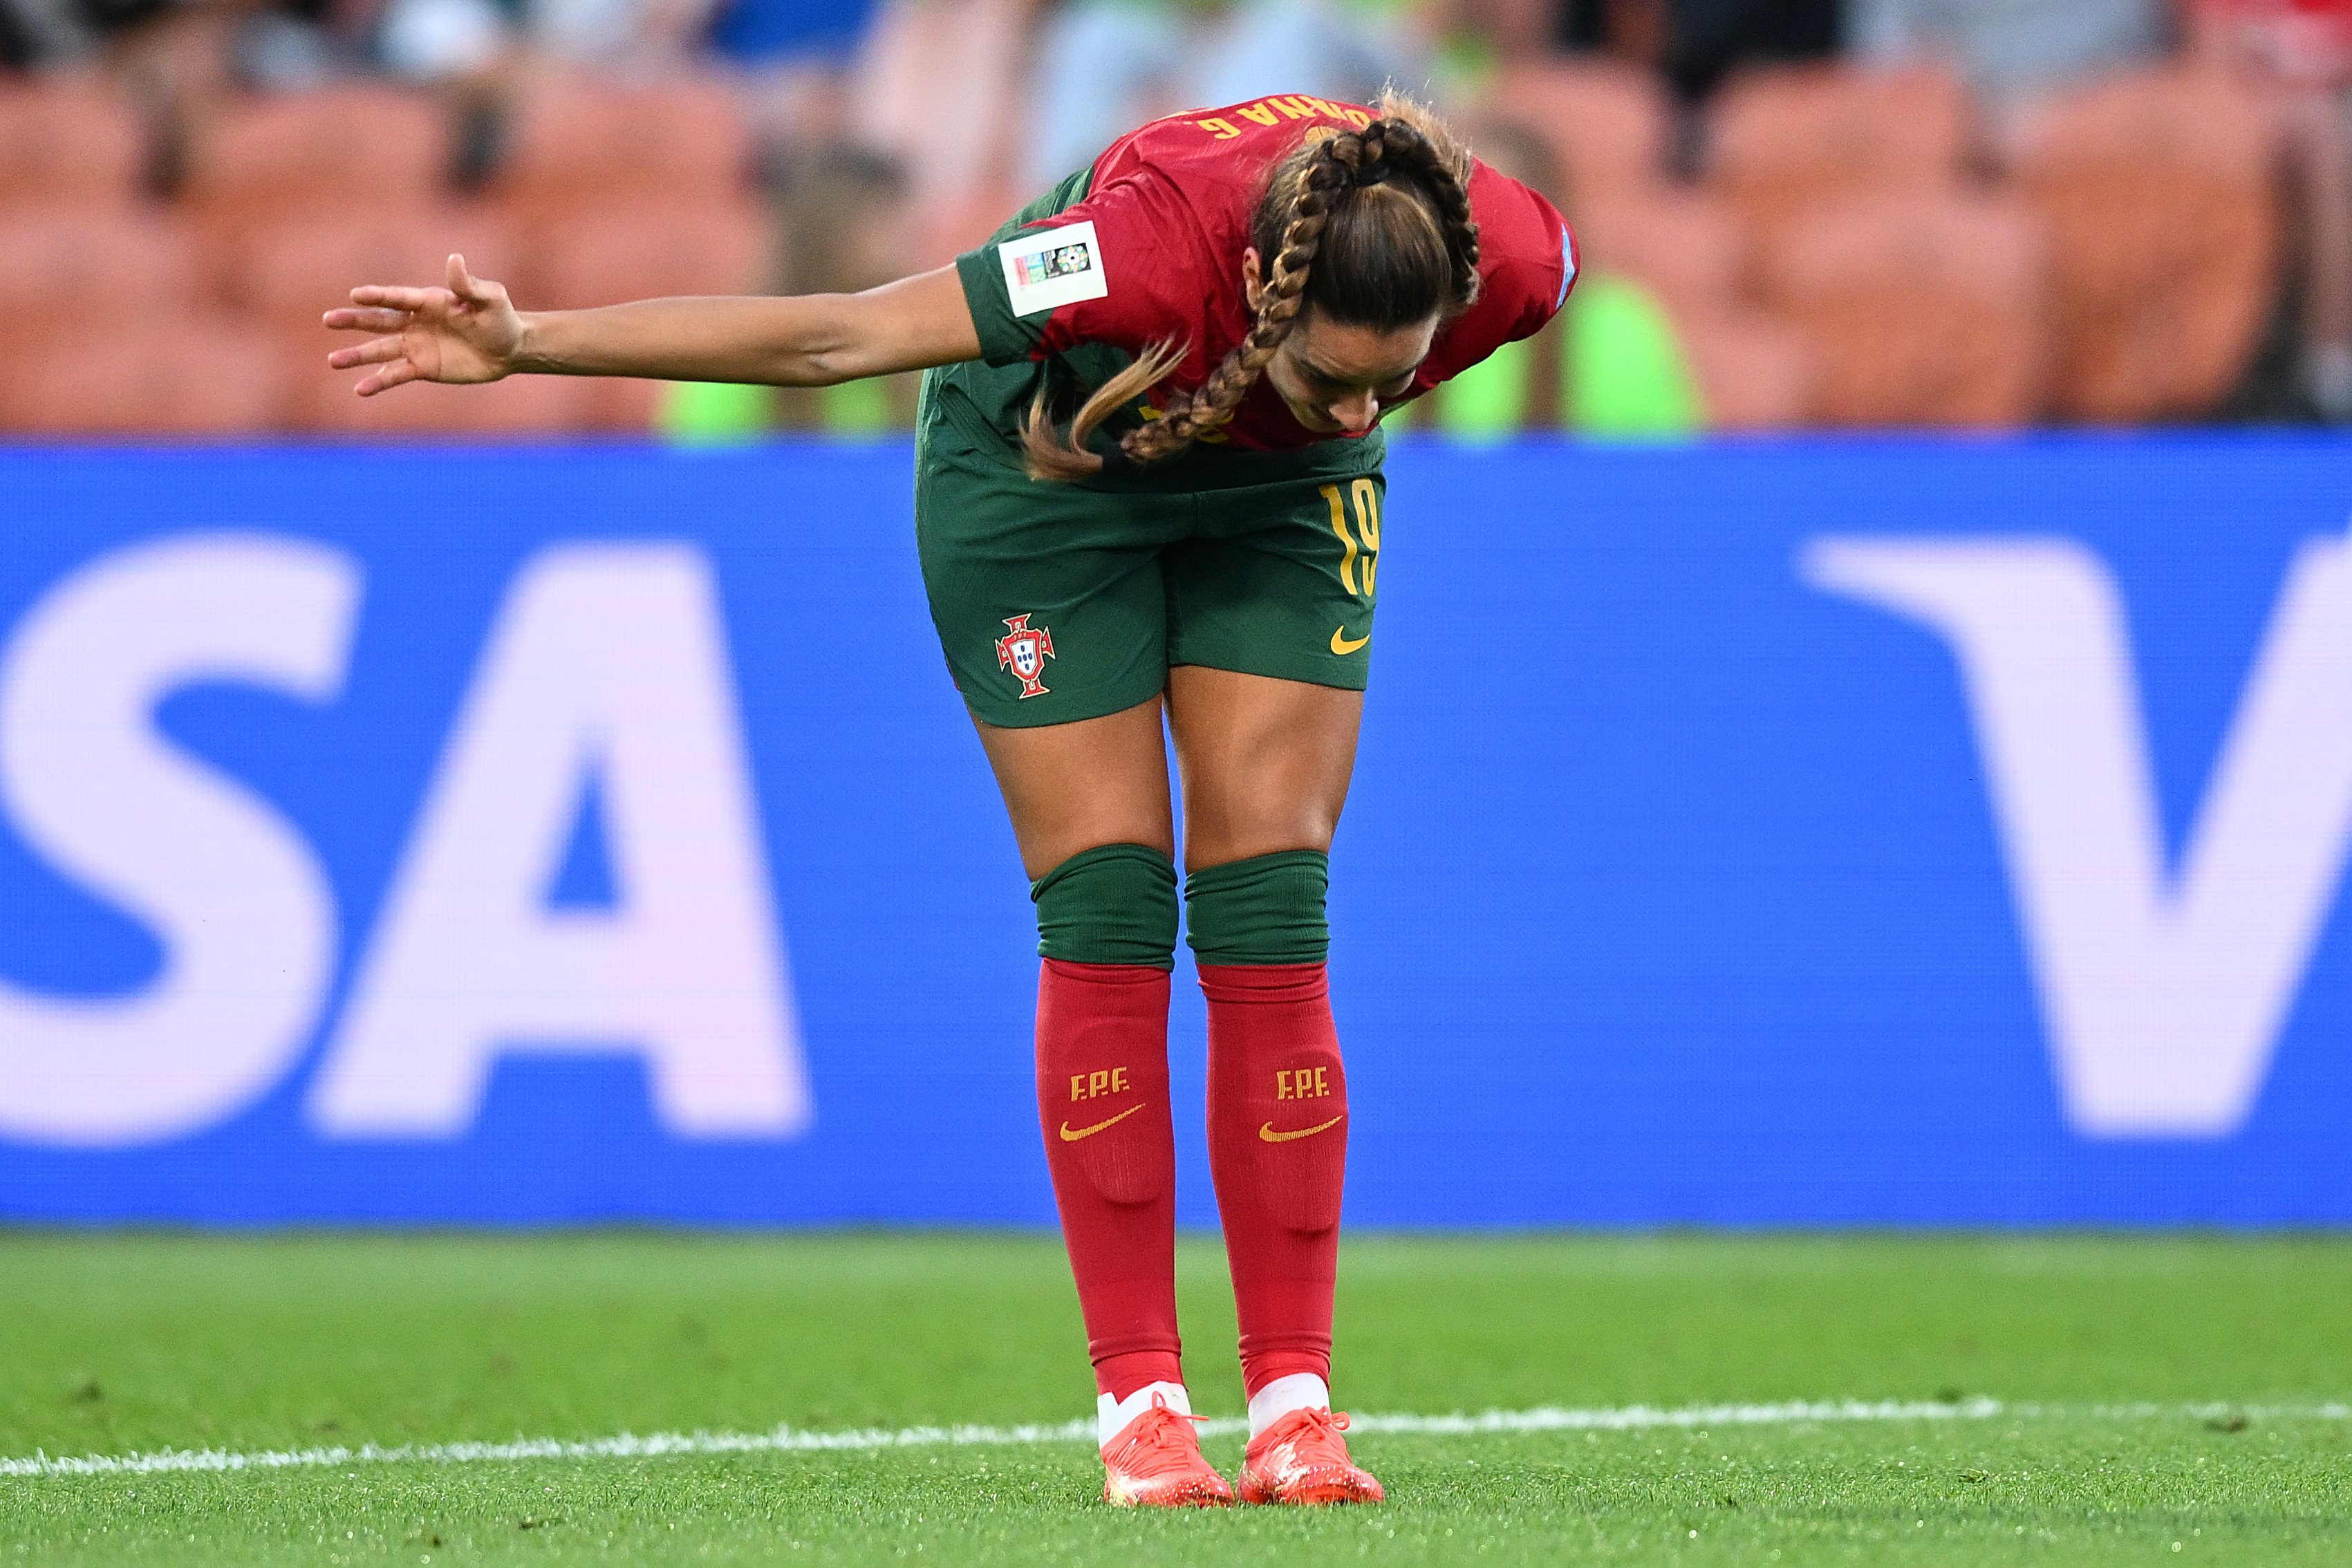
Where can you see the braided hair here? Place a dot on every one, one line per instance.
(1371, 228)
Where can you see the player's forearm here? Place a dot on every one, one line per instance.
(808, 341)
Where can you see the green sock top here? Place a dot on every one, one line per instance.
(1265, 909)
(1115, 904)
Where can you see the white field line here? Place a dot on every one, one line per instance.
(791, 1440)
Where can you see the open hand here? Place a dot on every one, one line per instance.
(466, 332)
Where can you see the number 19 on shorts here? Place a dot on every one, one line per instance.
(1358, 561)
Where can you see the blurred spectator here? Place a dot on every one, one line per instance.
(762, 32)
(1697, 43)
(2011, 50)
(939, 86)
(1475, 42)
(1611, 364)
(38, 33)
(180, 63)
(1106, 66)
(2303, 49)
(443, 40)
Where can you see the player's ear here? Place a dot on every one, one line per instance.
(1253, 278)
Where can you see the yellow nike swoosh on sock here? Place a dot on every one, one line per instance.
(1070, 1137)
(1340, 644)
(1271, 1136)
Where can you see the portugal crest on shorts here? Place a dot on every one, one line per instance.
(1024, 649)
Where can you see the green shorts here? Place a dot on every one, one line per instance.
(1060, 602)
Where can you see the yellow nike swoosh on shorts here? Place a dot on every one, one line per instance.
(1341, 645)
(1070, 1137)
(1271, 1136)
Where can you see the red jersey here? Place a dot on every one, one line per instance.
(1147, 247)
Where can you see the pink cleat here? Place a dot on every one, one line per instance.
(1155, 1462)
(1302, 1460)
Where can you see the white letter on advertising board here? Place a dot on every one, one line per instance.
(244, 916)
(2164, 994)
(606, 662)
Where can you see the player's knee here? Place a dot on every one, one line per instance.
(1266, 910)
(1115, 904)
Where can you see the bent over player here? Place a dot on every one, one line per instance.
(1147, 490)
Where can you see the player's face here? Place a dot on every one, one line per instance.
(1337, 378)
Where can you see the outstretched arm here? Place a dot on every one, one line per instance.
(467, 331)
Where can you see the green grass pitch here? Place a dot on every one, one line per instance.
(2161, 1399)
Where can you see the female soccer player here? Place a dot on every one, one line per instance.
(1148, 488)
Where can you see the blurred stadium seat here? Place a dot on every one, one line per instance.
(604, 256)
(285, 271)
(200, 375)
(346, 145)
(77, 269)
(579, 141)
(284, 274)
(67, 146)
(1783, 142)
(1608, 127)
(2158, 194)
(522, 405)
(612, 252)
(1690, 248)
(1919, 309)
(1753, 373)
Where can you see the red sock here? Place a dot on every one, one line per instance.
(1278, 1151)
(1102, 1094)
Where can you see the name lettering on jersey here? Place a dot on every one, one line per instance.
(1290, 106)
(1301, 1083)
(1091, 1085)
(1049, 267)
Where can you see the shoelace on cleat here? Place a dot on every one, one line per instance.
(1318, 1441)
(1159, 1441)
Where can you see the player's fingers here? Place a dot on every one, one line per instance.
(399, 372)
(464, 284)
(373, 320)
(382, 350)
(398, 297)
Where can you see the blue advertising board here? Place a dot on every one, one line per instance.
(1879, 832)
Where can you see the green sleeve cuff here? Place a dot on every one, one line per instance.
(1004, 338)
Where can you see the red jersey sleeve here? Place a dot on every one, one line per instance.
(1526, 264)
(1123, 268)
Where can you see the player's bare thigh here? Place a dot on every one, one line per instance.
(1071, 787)
(1266, 765)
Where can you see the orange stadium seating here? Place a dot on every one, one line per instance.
(1782, 142)
(582, 141)
(2160, 195)
(1840, 260)
(67, 146)
(1921, 309)
(720, 246)
(285, 273)
(77, 271)
(1753, 373)
(633, 251)
(520, 405)
(344, 146)
(199, 376)
(1607, 126)
(1692, 250)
